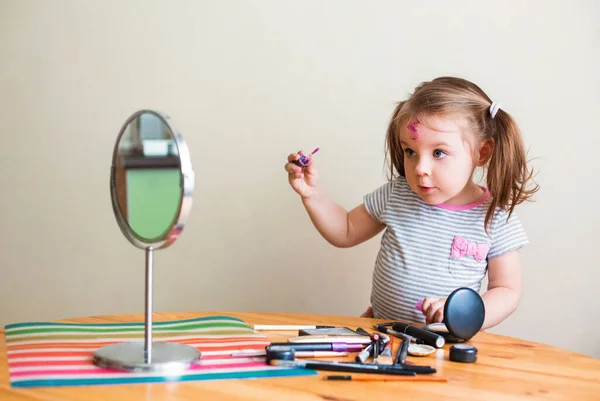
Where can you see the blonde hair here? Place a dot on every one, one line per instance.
(507, 173)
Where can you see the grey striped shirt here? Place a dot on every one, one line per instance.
(417, 257)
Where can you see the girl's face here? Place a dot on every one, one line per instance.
(439, 162)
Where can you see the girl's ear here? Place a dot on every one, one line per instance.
(486, 149)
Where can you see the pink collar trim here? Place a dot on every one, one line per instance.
(468, 206)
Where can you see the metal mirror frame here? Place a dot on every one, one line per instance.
(166, 357)
(187, 186)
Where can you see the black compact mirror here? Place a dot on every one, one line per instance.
(464, 313)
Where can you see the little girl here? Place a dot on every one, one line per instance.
(442, 230)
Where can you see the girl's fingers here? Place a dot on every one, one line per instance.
(295, 156)
(310, 169)
(367, 313)
(295, 175)
(439, 316)
(291, 168)
(433, 309)
(427, 303)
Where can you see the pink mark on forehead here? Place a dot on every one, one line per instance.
(413, 128)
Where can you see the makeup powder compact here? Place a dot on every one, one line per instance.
(463, 353)
(464, 313)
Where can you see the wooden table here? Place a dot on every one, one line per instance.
(507, 369)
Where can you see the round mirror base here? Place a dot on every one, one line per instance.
(167, 358)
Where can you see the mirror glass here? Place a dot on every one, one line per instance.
(147, 179)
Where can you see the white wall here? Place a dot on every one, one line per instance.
(263, 79)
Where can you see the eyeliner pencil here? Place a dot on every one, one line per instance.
(343, 367)
(384, 378)
(290, 327)
(355, 367)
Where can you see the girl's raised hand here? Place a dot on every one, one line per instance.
(302, 179)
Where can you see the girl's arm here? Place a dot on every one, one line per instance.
(500, 299)
(504, 288)
(339, 227)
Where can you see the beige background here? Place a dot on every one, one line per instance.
(247, 83)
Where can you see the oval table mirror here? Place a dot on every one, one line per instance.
(151, 185)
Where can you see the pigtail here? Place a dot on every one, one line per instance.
(393, 148)
(508, 175)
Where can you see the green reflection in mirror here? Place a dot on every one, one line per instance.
(148, 177)
(153, 197)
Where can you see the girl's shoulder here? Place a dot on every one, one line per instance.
(395, 185)
(399, 185)
(501, 215)
(387, 196)
(506, 233)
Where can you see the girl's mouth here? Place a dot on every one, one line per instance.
(426, 189)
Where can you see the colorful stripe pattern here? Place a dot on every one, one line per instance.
(42, 354)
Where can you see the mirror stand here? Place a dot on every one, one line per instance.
(148, 310)
(151, 189)
(149, 356)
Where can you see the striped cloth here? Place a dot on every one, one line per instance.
(42, 354)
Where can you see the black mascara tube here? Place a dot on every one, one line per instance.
(428, 337)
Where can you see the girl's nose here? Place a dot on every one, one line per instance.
(423, 167)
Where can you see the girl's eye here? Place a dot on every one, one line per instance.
(439, 154)
(409, 152)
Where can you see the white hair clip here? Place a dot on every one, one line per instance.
(494, 109)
